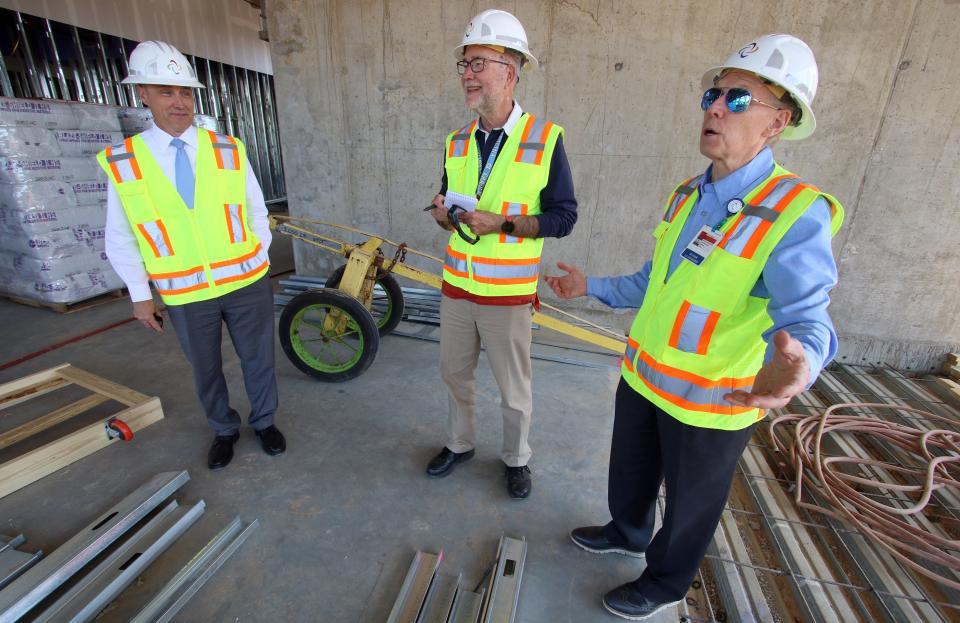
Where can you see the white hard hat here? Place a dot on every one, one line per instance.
(494, 27)
(783, 60)
(157, 62)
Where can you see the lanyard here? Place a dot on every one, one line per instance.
(485, 173)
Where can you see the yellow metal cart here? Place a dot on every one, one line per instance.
(333, 333)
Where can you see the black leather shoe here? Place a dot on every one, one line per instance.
(594, 539)
(221, 452)
(628, 603)
(518, 482)
(272, 440)
(442, 464)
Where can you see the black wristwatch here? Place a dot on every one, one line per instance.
(508, 225)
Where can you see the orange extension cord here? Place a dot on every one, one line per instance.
(937, 454)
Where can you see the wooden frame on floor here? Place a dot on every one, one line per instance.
(141, 411)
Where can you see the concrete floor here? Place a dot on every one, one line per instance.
(343, 511)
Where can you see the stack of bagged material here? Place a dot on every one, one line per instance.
(53, 199)
(53, 195)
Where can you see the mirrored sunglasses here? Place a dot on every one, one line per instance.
(737, 99)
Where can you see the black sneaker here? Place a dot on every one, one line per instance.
(628, 603)
(442, 464)
(518, 482)
(594, 539)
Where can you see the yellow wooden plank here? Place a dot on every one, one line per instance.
(30, 386)
(50, 419)
(116, 391)
(580, 333)
(32, 466)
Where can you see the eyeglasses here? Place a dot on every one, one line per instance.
(738, 99)
(476, 65)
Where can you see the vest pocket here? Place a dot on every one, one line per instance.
(723, 282)
(693, 328)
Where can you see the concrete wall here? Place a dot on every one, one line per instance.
(221, 30)
(367, 90)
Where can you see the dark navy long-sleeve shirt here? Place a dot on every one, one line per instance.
(558, 203)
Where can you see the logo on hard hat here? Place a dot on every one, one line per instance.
(174, 66)
(748, 49)
(469, 29)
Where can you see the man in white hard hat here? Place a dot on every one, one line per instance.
(185, 211)
(512, 167)
(733, 320)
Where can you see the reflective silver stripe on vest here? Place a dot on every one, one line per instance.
(692, 328)
(239, 269)
(505, 271)
(536, 137)
(235, 223)
(172, 285)
(513, 209)
(682, 192)
(123, 161)
(460, 142)
(456, 264)
(229, 152)
(155, 232)
(754, 215)
(706, 397)
(630, 354)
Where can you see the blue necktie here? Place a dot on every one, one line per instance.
(184, 173)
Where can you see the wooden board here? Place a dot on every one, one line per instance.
(67, 308)
(141, 411)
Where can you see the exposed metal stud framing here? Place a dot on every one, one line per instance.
(414, 589)
(50, 573)
(191, 578)
(47, 59)
(14, 563)
(504, 592)
(439, 600)
(86, 599)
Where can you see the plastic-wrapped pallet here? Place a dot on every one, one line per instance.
(57, 280)
(33, 142)
(39, 113)
(53, 199)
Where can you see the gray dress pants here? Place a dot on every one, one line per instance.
(248, 314)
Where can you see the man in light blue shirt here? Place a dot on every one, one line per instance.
(704, 358)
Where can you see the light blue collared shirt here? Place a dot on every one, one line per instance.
(797, 277)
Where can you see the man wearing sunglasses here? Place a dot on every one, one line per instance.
(733, 320)
(514, 165)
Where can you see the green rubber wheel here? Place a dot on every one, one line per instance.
(387, 304)
(329, 335)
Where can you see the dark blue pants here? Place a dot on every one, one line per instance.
(650, 447)
(248, 314)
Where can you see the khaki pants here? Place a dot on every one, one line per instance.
(505, 333)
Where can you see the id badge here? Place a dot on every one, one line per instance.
(702, 245)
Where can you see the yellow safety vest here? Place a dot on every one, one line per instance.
(191, 255)
(699, 335)
(500, 264)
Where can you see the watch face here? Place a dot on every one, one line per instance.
(507, 227)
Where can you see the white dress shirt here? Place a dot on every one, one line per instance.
(120, 241)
